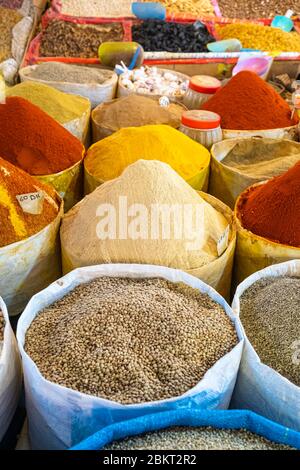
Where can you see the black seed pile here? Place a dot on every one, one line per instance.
(172, 37)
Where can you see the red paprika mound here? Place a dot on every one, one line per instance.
(272, 210)
(247, 102)
(33, 141)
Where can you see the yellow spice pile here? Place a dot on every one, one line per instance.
(265, 38)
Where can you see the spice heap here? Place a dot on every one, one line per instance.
(59, 72)
(108, 158)
(16, 220)
(262, 158)
(272, 210)
(153, 81)
(255, 103)
(130, 340)
(270, 313)
(197, 439)
(192, 7)
(66, 39)
(60, 106)
(156, 35)
(256, 8)
(15, 4)
(264, 38)
(96, 8)
(33, 141)
(151, 186)
(2, 325)
(8, 19)
(136, 111)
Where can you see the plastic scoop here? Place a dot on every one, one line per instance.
(227, 45)
(149, 10)
(284, 22)
(258, 65)
(113, 53)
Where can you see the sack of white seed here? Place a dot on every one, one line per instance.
(268, 305)
(74, 387)
(10, 371)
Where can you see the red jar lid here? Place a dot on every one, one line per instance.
(200, 119)
(205, 84)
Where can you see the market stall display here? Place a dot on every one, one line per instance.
(96, 84)
(133, 111)
(92, 412)
(30, 217)
(153, 186)
(42, 147)
(267, 303)
(108, 158)
(72, 112)
(237, 164)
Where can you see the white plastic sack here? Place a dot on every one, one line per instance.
(10, 374)
(59, 417)
(259, 387)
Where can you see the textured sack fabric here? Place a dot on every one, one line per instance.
(234, 419)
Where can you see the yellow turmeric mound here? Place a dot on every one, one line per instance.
(108, 158)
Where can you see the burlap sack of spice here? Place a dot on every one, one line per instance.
(148, 183)
(254, 253)
(259, 387)
(237, 164)
(10, 373)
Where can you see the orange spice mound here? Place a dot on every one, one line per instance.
(15, 224)
(33, 141)
(247, 102)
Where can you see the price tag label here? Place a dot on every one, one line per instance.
(223, 242)
(31, 203)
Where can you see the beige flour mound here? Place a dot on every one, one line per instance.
(146, 183)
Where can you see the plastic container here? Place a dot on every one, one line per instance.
(201, 88)
(284, 22)
(226, 45)
(259, 65)
(112, 53)
(149, 11)
(202, 126)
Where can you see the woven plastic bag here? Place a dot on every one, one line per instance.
(59, 417)
(259, 387)
(10, 374)
(233, 419)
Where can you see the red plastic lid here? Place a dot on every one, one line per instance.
(200, 119)
(205, 84)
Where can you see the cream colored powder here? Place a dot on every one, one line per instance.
(145, 183)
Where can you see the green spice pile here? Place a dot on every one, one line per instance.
(270, 313)
(2, 325)
(59, 72)
(205, 438)
(66, 39)
(256, 8)
(130, 340)
(8, 19)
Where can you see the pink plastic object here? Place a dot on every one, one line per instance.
(258, 65)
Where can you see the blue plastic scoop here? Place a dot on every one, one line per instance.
(149, 10)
